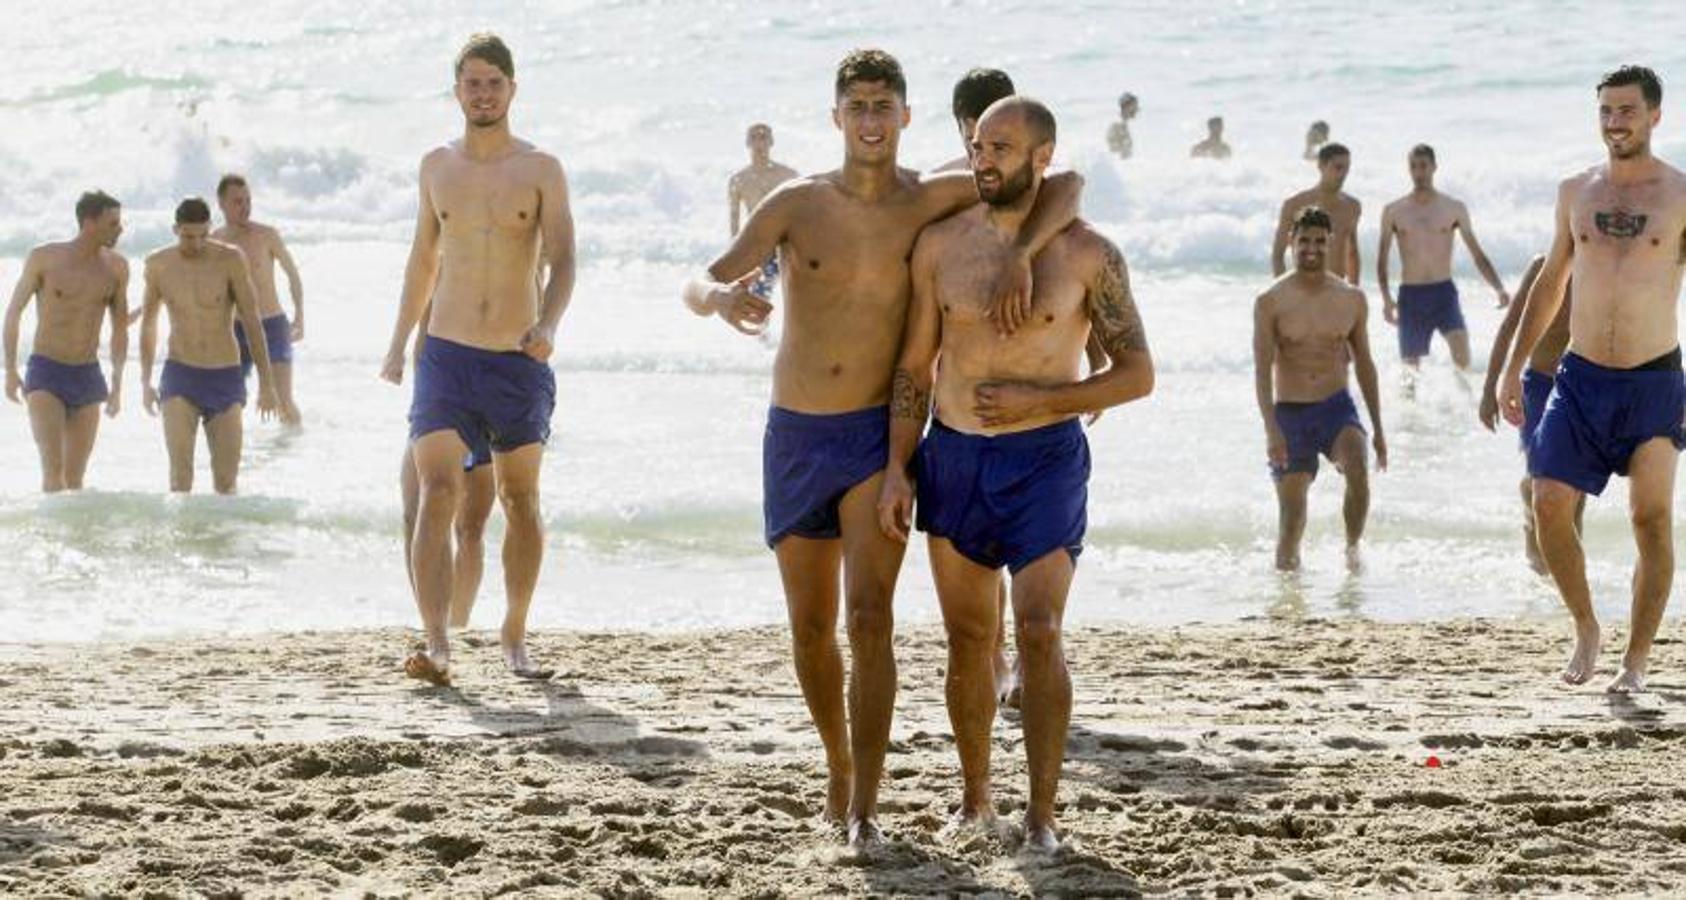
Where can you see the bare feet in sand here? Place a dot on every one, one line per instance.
(1584, 660)
(966, 826)
(432, 667)
(864, 833)
(1040, 837)
(1009, 678)
(1630, 680)
(515, 659)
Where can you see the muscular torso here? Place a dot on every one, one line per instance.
(1630, 242)
(71, 301)
(1047, 350)
(1313, 329)
(1343, 214)
(258, 243)
(198, 295)
(844, 271)
(1425, 229)
(488, 212)
(752, 183)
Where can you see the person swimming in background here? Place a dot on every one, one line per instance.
(1213, 147)
(751, 184)
(75, 283)
(1315, 137)
(264, 251)
(1118, 138)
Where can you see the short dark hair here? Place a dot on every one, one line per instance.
(871, 65)
(977, 89)
(1037, 117)
(1319, 125)
(1424, 151)
(1649, 84)
(231, 180)
(193, 211)
(488, 48)
(1312, 217)
(1215, 120)
(1330, 151)
(93, 204)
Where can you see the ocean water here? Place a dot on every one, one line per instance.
(652, 482)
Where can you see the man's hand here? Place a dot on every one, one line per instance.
(1379, 444)
(266, 400)
(392, 368)
(1276, 448)
(1510, 397)
(149, 399)
(1488, 410)
(998, 403)
(1390, 311)
(734, 302)
(114, 403)
(298, 329)
(895, 504)
(1011, 294)
(14, 386)
(539, 342)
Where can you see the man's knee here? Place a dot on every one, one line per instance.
(870, 621)
(1652, 521)
(1554, 501)
(520, 502)
(1037, 632)
(973, 632)
(470, 530)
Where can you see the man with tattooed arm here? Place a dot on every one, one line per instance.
(1003, 475)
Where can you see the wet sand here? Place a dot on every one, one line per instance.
(1260, 758)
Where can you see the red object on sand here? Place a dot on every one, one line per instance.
(1433, 762)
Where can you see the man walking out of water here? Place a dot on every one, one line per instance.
(264, 250)
(205, 285)
(844, 238)
(973, 94)
(1423, 221)
(1306, 329)
(1617, 403)
(1536, 389)
(489, 201)
(1003, 475)
(76, 284)
(1334, 161)
(1213, 147)
(749, 186)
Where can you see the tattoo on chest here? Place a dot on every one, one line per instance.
(1619, 223)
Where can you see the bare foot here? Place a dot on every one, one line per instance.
(1041, 838)
(433, 668)
(1630, 680)
(969, 825)
(516, 661)
(1287, 562)
(1354, 559)
(1015, 686)
(1584, 660)
(1004, 673)
(841, 782)
(864, 833)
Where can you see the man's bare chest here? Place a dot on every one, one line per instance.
(483, 199)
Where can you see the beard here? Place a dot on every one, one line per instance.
(494, 121)
(1008, 189)
(1635, 147)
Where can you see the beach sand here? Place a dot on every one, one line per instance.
(1265, 757)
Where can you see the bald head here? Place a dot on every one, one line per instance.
(1028, 112)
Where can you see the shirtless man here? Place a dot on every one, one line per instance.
(1617, 404)
(845, 237)
(483, 385)
(1536, 389)
(1003, 474)
(1315, 137)
(205, 285)
(1343, 210)
(751, 184)
(1213, 147)
(1306, 329)
(1423, 221)
(78, 283)
(1118, 138)
(973, 94)
(264, 250)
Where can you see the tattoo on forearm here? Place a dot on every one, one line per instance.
(1619, 223)
(907, 401)
(1112, 308)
